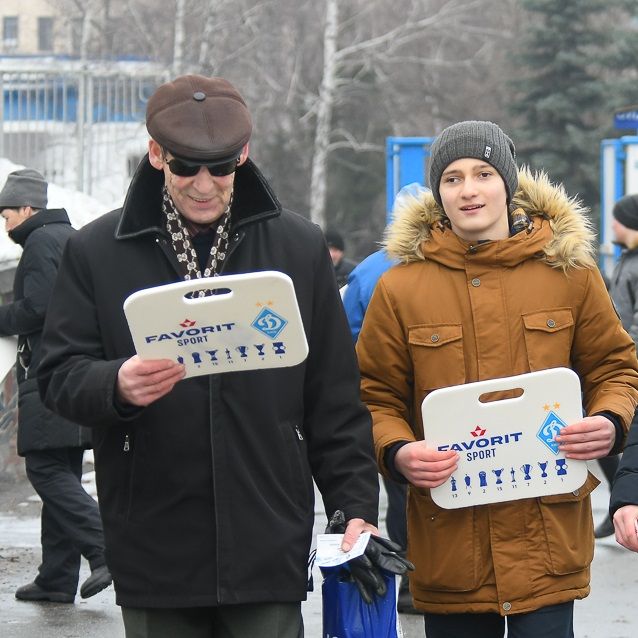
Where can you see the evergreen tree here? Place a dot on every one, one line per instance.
(572, 67)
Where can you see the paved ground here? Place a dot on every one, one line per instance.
(609, 612)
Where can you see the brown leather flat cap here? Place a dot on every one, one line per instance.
(199, 118)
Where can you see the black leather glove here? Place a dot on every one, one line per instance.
(380, 553)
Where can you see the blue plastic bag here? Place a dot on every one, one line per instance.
(346, 615)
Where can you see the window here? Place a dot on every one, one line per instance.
(10, 32)
(45, 34)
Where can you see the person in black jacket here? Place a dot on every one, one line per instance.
(52, 446)
(623, 289)
(206, 484)
(342, 265)
(623, 504)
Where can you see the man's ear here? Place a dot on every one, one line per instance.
(244, 154)
(155, 155)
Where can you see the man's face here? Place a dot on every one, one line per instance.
(623, 235)
(13, 217)
(336, 255)
(202, 198)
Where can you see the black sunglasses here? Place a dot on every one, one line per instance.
(182, 168)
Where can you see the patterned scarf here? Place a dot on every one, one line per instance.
(183, 247)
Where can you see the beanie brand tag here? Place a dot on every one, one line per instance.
(487, 152)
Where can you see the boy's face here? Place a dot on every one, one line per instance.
(474, 199)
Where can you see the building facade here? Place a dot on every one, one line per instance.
(36, 27)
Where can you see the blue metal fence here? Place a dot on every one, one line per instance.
(406, 162)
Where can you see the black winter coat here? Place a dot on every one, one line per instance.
(624, 490)
(42, 237)
(207, 494)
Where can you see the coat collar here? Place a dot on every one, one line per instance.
(562, 234)
(45, 216)
(253, 200)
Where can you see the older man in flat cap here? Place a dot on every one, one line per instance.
(205, 483)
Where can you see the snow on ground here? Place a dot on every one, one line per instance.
(81, 208)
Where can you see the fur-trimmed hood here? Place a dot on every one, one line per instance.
(562, 234)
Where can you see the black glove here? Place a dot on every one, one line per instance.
(380, 553)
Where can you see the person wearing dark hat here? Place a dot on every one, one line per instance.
(206, 484)
(497, 277)
(52, 447)
(342, 265)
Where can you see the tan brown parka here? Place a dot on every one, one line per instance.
(454, 312)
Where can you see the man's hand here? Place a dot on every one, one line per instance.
(424, 466)
(355, 527)
(625, 523)
(587, 439)
(380, 553)
(140, 382)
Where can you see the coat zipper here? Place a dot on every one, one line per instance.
(229, 251)
(215, 510)
(163, 243)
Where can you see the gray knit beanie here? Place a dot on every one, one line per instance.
(626, 211)
(478, 140)
(25, 187)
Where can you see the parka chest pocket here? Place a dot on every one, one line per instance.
(437, 355)
(548, 338)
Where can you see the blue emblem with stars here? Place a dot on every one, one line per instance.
(550, 428)
(268, 322)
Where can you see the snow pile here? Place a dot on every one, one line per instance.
(81, 208)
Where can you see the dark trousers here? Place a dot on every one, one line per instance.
(395, 520)
(609, 466)
(70, 521)
(555, 621)
(261, 620)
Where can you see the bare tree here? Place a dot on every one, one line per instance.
(324, 109)
(178, 41)
(327, 81)
(358, 47)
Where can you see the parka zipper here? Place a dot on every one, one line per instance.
(127, 443)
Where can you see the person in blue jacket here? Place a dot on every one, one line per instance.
(361, 283)
(356, 297)
(364, 277)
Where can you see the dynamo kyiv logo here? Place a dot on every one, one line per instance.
(550, 428)
(268, 322)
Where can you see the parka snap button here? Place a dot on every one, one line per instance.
(476, 282)
(434, 338)
(551, 323)
(507, 606)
